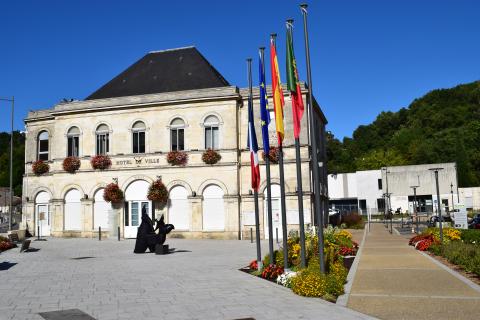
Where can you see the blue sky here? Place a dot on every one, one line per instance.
(368, 56)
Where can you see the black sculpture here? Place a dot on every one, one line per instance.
(146, 236)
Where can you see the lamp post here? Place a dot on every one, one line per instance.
(451, 192)
(12, 100)
(388, 198)
(439, 208)
(415, 205)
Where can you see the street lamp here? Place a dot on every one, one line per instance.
(388, 197)
(415, 205)
(451, 191)
(440, 219)
(12, 100)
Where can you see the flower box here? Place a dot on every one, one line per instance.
(211, 156)
(273, 155)
(71, 164)
(158, 192)
(177, 158)
(113, 193)
(101, 162)
(40, 167)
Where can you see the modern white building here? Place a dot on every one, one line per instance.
(366, 191)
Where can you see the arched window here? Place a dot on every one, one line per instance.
(73, 135)
(103, 139)
(138, 137)
(177, 127)
(211, 124)
(42, 146)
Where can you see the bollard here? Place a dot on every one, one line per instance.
(118, 233)
(38, 233)
(99, 233)
(251, 235)
(276, 232)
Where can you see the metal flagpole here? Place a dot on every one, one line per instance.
(282, 194)
(269, 189)
(314, 160)
(257, 218)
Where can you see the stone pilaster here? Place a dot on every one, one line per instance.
(56, 211)
(197, 217)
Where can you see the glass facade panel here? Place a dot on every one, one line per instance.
(134, 214)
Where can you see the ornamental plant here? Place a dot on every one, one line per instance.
(40, 167)
(71, 164)
(101, 162)
(253, 265)
(158, 192)
(177, 158)
(113, 193)
(6, 244)
(273, 154)
(211, 156)
(271, 272)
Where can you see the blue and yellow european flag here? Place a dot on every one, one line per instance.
(264, 114)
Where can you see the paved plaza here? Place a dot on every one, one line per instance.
(107, 281)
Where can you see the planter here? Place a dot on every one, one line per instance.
(101, 162)
(211, 156)
(348, 261)
(113, 193)
(177, 158)
(71, 164)
(158, 192)
(40, 167)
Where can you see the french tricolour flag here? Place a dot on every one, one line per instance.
(253, 146)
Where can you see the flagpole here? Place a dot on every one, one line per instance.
(269, 187)
(314, 163)
(299, 186)
(282, 190)
(257, 218)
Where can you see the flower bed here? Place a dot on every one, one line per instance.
(459, 247)
(71, 164)
(310, 281)
(177, 158)
(273, 154)
(211, 156)
(6, 244)
(113, 193)
(40, 167)
(101, 162)
(158, 192)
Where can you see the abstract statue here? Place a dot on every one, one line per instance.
(146, 236)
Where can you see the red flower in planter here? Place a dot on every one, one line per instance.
(273, 154)
(271, 272)
(113, 193)
(177, 158)
(40, 167)
(253, 265)
(71, 164)
(101, 162)
(346, 251)
(211, 156)
(158, 192)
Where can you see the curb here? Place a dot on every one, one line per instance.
(343, 299)
(457, 275)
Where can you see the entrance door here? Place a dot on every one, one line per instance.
(135, 201)
(213, 209)
(73, 210)
(43, 219)
(178, 211)
(133, 217)
(276, 212)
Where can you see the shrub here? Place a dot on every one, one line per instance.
(471, 236)
(253, 265)
(177, 158)
(278, 254)
(449, 234)
(462, 254)
(71, 164)
(101, 162)
(353, 220)
(211, 156)
(113, 193)
(158, 192)
(285, 279)
(40, 167)
(273, 154)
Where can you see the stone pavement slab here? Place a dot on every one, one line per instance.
(200, 281)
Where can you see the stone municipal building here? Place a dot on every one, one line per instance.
(168, 100)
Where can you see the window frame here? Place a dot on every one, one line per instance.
(177, 128)
(39, 152)
(106, 140)
(73, 137)
(209, 127)
(136, 135)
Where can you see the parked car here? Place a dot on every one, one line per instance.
(475, 223)
(432, 222)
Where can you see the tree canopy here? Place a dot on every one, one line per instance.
(442, 126)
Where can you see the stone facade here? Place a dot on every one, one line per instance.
(231, 175)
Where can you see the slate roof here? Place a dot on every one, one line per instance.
(163, 71)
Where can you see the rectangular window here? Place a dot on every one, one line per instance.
(139, 142)
(177, 139)
(72, 146)
(102, 143)
(380, 184)
(211, 138)
(134, 214)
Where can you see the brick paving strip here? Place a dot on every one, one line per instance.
(395, 281)
(106, 281)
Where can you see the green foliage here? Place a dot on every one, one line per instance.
(18, 160)
(442, 126)
(471, 236)
(462, 254)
